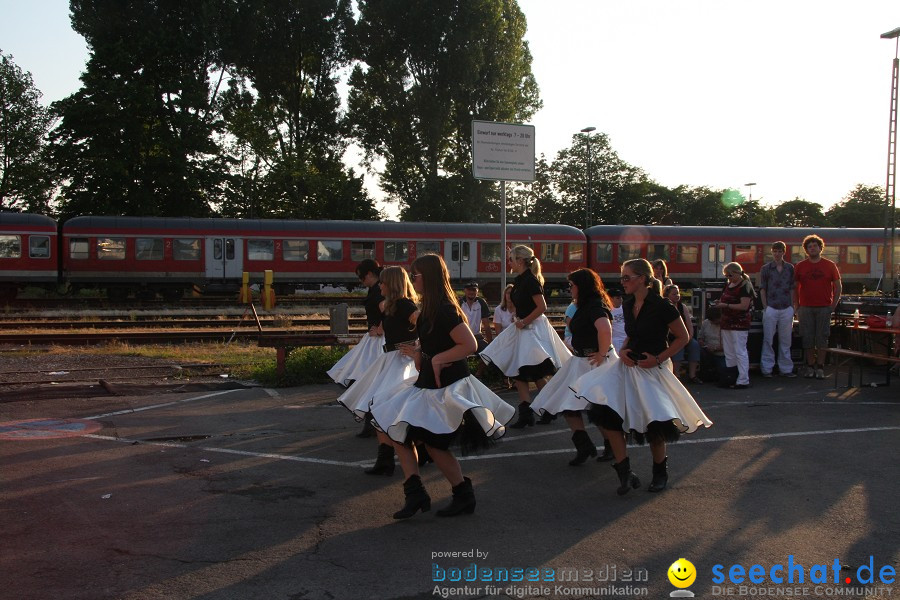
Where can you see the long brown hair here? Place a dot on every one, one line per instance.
(396, 286)
(436, 287)
(589, 286)
(503, 303)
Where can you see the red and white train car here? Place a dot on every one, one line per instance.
(697, 254)
(28, 252)
(147, 255)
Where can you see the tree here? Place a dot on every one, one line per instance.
(426, 70)
(700, 206)
(137, 138)
(282, 109)
(25, 180)
(862, 207)
(800, 213)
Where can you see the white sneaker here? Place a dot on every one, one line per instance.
(809, 372)
(820, 373)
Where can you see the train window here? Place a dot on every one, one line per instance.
(657, 251)
(10, 246)
(746, 255)
(797, 254)
(629, 251)
(465, 251)
(148, 248)
(490, 251)
(857, 255)
(687, 253)
(423, 248)
(604, 253)
(39, 246)
(186, 249)
(260, 249)
(396, 251)
(295, 250)
(229, 248)
(454, 252)
(551, 252)
(78, 249)
(330, 250)
(111, 248)
(831, 253)
(576, 252)
(362, 250)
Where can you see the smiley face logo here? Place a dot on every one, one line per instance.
(682, 573)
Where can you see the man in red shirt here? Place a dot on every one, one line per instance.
(817, 291)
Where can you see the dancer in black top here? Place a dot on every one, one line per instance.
(530, 350)
(445, 405)
(592, 343)
(399, 324)
(640, 394)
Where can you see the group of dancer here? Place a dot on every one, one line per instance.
(419, 395)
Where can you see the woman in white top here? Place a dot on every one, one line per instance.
(504, 314)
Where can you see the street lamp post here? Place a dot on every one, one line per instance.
(750, 200)
(889, 273)
(588, 197)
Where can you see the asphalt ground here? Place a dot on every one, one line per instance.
(257, 493)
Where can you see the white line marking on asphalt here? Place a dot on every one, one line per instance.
(358, 464)
(273, 393)
(164, 405)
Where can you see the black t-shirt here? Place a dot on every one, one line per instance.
(648, 333)
(525, 287)
(584, 332)
(373, 312)
(436, 341)
(397, 327)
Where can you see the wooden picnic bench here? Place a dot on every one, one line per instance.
(285, 342)
(857, 359)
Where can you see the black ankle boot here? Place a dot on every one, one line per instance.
(424, 457)
(526, 416)
(368, 429)
(384, 463)
(627, 479)
(584, 445)
(660, 476)
(463, 500)
(546, 418)
(607, 453)
(417, 498)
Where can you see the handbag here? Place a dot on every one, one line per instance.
(876, 322)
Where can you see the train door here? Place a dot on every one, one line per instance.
(715, 256)
(460, 258)
(224, 258)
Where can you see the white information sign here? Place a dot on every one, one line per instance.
(502, 151)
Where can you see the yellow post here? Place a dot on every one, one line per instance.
(268, 293)
(244, 297)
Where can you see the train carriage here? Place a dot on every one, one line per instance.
(28, 252)
(147, 255)
(695, 254)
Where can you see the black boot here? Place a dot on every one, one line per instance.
(660, 476)
(627, 478)
(424, 457)
(546, 418)
(384, 463)
(584, 445)
(607, 453)
(368, 429)
(526, 416)
(463, 500)
(417, 498)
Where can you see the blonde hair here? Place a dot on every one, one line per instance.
(396, 286)
(531, 261)
(735, 268)
(642, 268)
(506, 291)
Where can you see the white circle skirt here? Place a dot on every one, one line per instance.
(384, 374)
(557, 396)
(355, 363)
(529, 346)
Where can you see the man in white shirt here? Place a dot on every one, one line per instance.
(479, 315)
(618, 317)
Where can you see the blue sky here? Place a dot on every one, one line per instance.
(791, 95)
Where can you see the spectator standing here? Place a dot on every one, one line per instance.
(737, 296)
(661, 272)
(817, 291)
(570, 312)
(505, 313)
(616, 297)
(692, 349)
(776, 286)
(478, 314)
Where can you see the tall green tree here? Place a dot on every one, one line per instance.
(138, 137)
(700, 206)
(426, 70)
(283, 110)
(863, 206)
(25, 179)
(800, 213)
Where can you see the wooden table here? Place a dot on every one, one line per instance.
(860, 344)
